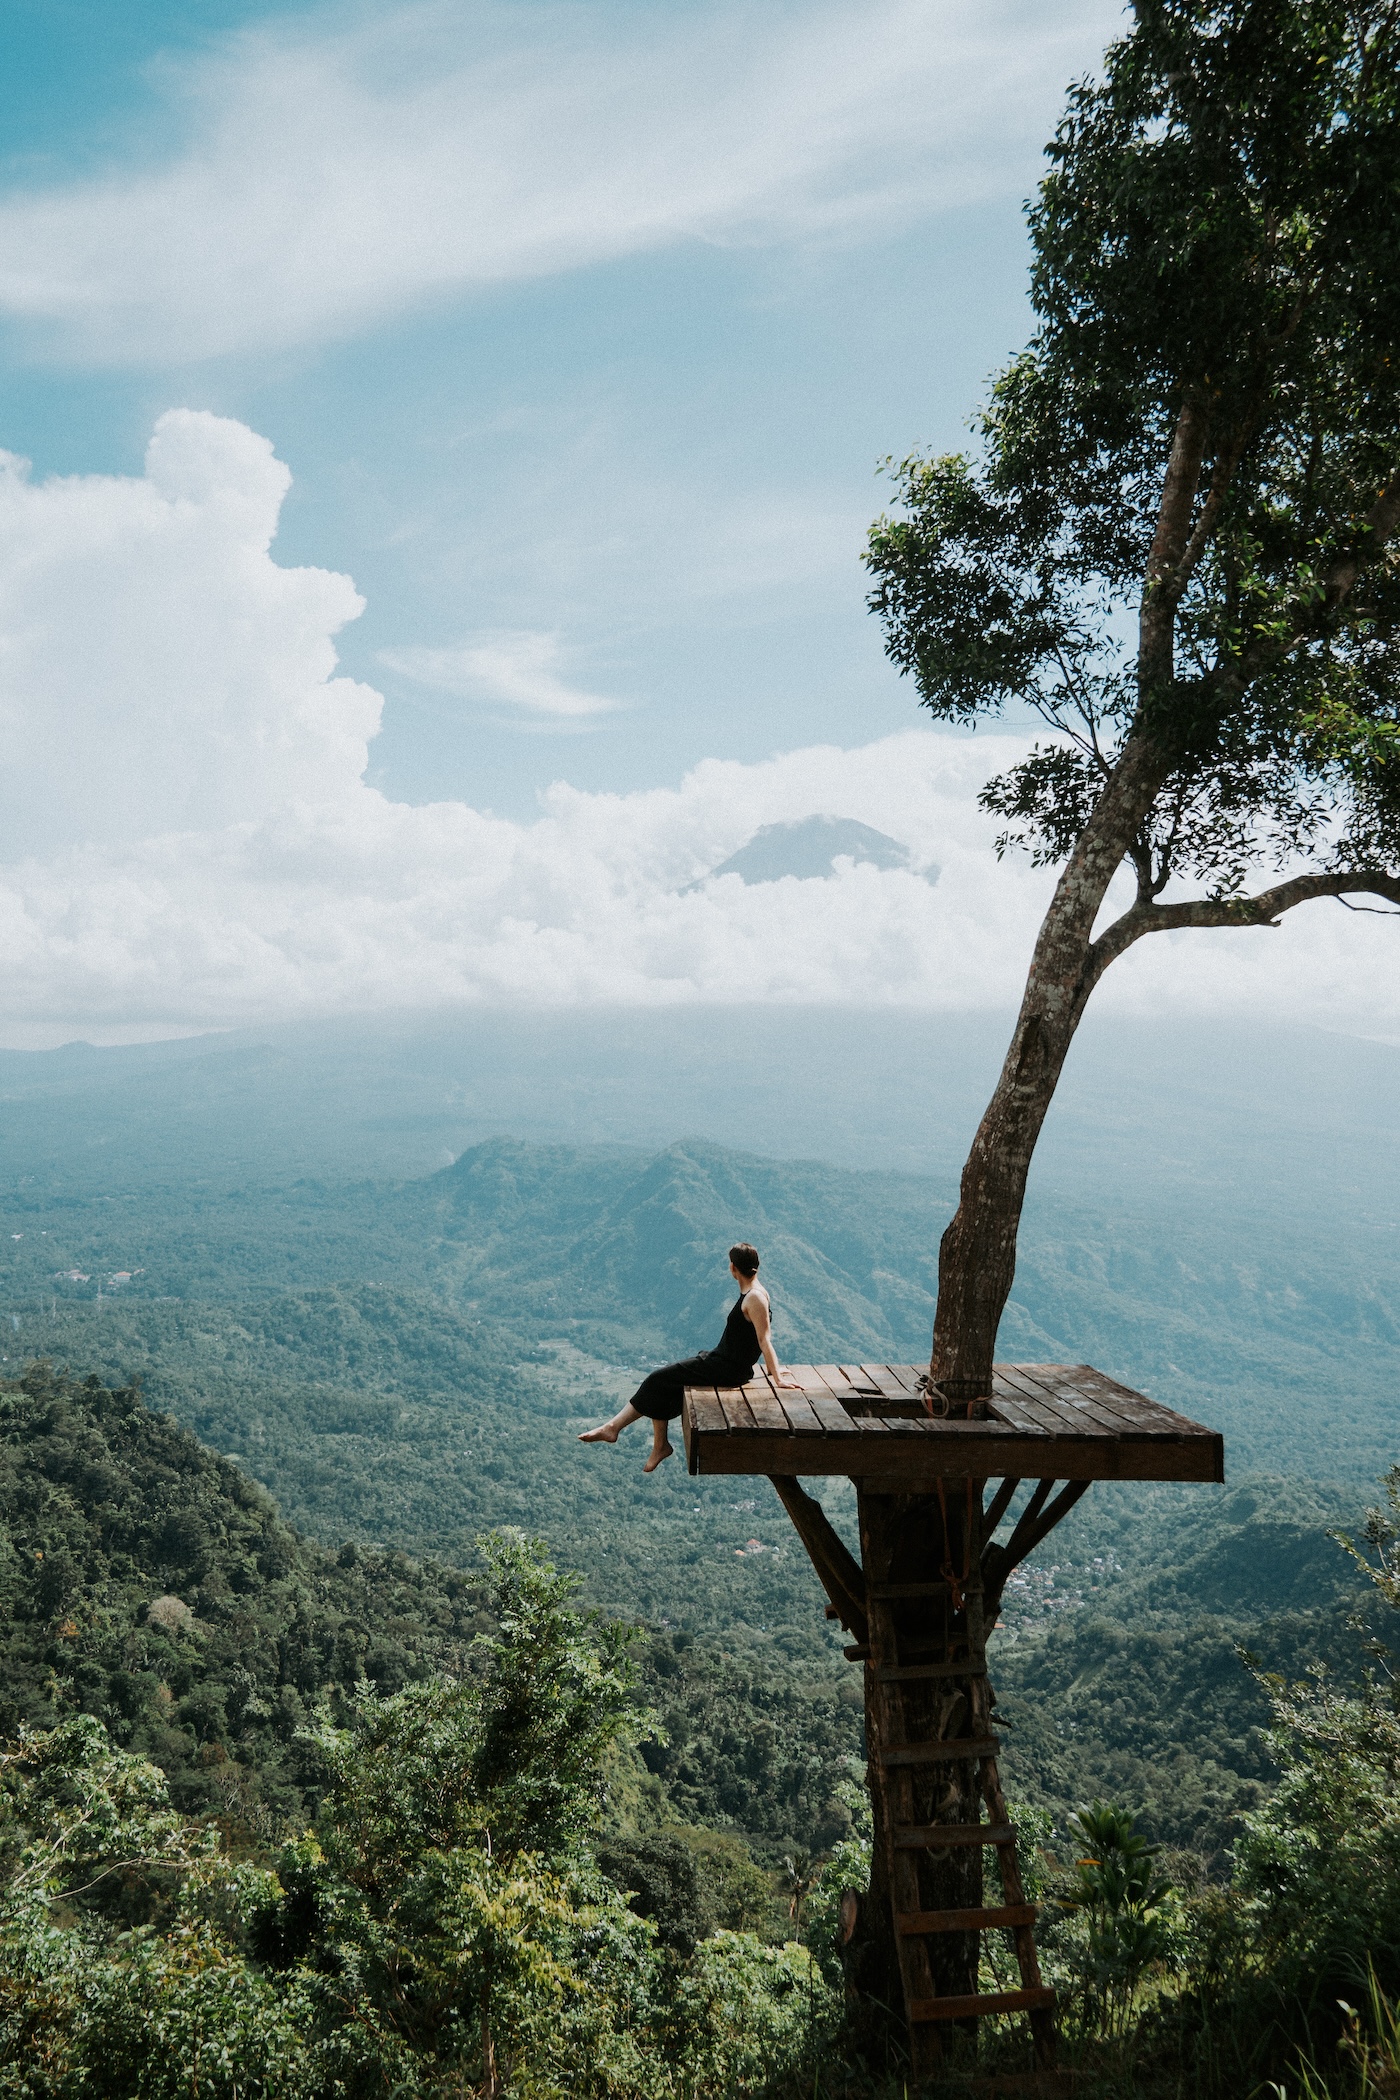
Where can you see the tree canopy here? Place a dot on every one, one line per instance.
(1175, 543)
(1204, 432)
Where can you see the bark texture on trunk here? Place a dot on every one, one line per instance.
(977, 1255)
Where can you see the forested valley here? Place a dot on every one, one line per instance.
(301, 1494)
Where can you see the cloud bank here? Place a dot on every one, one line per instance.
(324, 177)
(190, 842)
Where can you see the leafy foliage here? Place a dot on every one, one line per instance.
(1126, 1908)
(1196, 437)
(147, 1582)
(443, 1928)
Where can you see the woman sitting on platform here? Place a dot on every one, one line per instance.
(748, 1334)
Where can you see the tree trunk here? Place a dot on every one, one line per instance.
(977, 1255)
(911, 1541)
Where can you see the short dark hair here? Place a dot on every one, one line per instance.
(745, 1258)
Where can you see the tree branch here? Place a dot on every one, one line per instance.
(1264, 910)
(1378, 530)
(1183, 476)
(1174, 586)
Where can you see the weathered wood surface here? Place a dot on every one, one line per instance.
(1061, 1421)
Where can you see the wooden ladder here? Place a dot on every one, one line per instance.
(908, 1745)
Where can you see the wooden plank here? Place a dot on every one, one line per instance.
(834, 1380)
(1008, 1406)
(808, 1380)
(981, 2004)
(703, 1404)
(913, 1924)
(1136, 1413)
(735, 1409)
(939, 1837)
(951, 1751)
(1039, 1400)
(832, 1415)
(1120, 1408)
(1138, 1404)
(903, 1375)
(914, 1453)
(766, 1409)
(702, 1418)
(916, 1673)
(1076, 1405)
(798, 1410)
(886, 1379)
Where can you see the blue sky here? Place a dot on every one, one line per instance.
(656, 450)
(453, 433)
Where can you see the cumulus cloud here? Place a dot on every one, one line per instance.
(158, 671)
(515, 668)
(327, 176)
(191, 841)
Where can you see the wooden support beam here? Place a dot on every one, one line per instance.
(996, 1509)
(1037, 1520)
(893, 1592)
(980, 2003)
(913, 1924)
(937, 1837)
(949, 1751)
(1038, 1497)
(1044, 1524)
(838, 1570)
(916, 1673)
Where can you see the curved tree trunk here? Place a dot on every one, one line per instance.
(977, 1255)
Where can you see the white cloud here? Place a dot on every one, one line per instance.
(328, 176)
(158, 670)
(512, 667)
(191, 841)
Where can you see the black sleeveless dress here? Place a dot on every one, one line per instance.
(662, 1393)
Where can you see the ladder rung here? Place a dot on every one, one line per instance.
(913, 1924)
(936, 1837)
(980, 2004)
(890, 1592)
(941, 1753)
(911, 1673)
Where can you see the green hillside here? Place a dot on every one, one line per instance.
(151, 1583)
(147, 1581)
(1261, 1324)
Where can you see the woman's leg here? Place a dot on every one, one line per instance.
(661, 1446)
(659, 1396)
(607, 1432)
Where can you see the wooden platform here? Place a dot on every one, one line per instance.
(1060, 1421)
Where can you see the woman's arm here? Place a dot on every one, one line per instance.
(756, 1310)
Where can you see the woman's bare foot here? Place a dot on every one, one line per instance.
(659, 1451)
(607, 1432)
